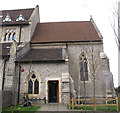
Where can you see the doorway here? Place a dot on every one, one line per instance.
(53, 91)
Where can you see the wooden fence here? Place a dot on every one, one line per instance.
(72, 102)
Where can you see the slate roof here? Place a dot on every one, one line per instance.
(40, 55)
(14, 14)
(65, 32)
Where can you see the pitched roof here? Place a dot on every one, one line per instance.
(35, 55)
(65, 32)
(14, 14)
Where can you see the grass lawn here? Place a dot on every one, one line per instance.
(20, 108)
(99, 108)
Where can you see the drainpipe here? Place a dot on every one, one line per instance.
(20, 34)
(5, 60)
(19, 82)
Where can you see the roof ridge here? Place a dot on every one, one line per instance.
(64, 22)
(18, 9)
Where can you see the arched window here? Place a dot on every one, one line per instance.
(14, 36)
(36, 87)
(10, 37)
(33, 85)
(83, 67)
(6, 37)
(10, 34)
(30, 86)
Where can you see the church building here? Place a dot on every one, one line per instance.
(52, 61)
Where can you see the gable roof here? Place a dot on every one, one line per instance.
(65, 32)
(14, 14)
(40, 55)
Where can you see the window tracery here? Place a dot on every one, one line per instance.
(83, 67)
(7, 18)
(33, 85)
(10, 34)
(20, 18)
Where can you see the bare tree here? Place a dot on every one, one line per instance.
(116, 28)
(95, 70)
(116, 24)
(94, 61)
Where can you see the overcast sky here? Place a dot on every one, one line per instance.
(77, 10)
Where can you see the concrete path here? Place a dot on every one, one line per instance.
(53, 107)
(61, 108)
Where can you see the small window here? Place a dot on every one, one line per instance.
(20, 18)
(33, 76)
(83, 68)
(7, 18)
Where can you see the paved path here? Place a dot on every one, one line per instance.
(61, 108)
(53, 107)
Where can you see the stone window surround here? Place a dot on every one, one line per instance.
(26, 85)
(53, 79)
(7, 18)
(88, 65)
(20, 18)
(12, 31)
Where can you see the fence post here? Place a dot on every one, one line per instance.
(119, 102)
(72, 103)
(95, 103)
(69, 102)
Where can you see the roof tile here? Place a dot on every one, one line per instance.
(35, 55)
(65, 32)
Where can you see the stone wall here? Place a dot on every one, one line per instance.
(74, 51)
(108, 77)
(1, 72)
(6, 98)
(27, 31)
(46, 71)
(10, 68)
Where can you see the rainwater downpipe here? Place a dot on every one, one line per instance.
(19, 69)
(20, 33)
(3, 80)
(19, 82)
